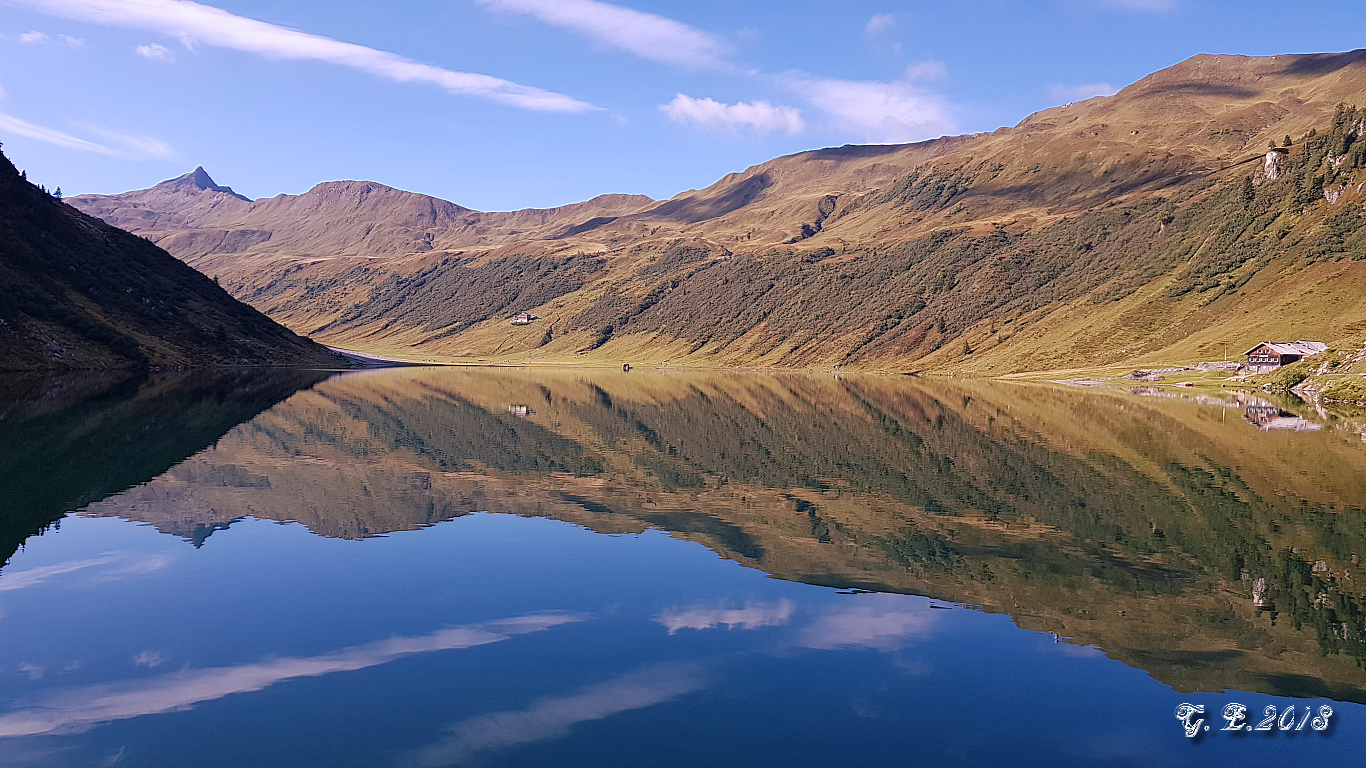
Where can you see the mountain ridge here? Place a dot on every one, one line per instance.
(76, 292)
(1077, 221)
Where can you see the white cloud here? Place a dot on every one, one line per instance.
(881, 112)
(10, 580)
(758, 115)
(73, 42)
(646, 35)
(155, 51)
(752, 616)
(33, 37)
(926, 70)
(149, 659)
(118, 564)
(880, 23)
(81, 709)
(135, 567)
(1066, 94)
(32, 671)
(882, 624)
(136, 146)
(555, 716)
(197, 23)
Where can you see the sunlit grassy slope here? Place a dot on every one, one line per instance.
(1148, 227)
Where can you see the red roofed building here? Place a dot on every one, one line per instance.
(1270, 355)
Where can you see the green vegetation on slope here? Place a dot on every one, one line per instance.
(1205, 240)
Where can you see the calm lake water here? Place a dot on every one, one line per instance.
(441, 567)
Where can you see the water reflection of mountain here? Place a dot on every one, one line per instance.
(68, 440)
(1140, 525)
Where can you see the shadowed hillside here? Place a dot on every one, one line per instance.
(1219, 201)
(70, 440)
(78, 293)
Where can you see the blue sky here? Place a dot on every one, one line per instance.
(500, 104)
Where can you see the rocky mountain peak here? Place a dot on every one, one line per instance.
(200, 180)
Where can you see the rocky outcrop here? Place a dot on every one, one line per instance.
(1272, 167)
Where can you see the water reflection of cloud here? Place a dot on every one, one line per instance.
(80, 709)
(149, 659)
(1079, 651)
(752, 616)
(10, 580)
(555, 716)
(122, 564)
(882, 624)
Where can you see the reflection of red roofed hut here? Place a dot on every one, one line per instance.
(1260, 412)
(1292, 423)
(1270, 355)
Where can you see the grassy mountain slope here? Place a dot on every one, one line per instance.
(78, 293)
(212, 227)
(1134, 229)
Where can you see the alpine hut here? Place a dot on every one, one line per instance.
(1270, 355)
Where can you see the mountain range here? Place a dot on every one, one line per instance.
(1206, 207)
(76, 292)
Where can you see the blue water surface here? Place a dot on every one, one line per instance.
(499, 640)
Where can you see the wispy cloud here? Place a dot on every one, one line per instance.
(80, 709)
(895, 111)
(155, 51)
(33, 37)
(11, 580)
(109, 565)
(1066, 94)
(884, 625)
(877, 111)
(881, 22)
(926, 70)
(552, 717)
(136, 145)
(646, 35)
(758, 115)
(751, 616)
(149, 659)
(196, 23)
(73, 42)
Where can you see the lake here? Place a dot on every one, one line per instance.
(520, 567)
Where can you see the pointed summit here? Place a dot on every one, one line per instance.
(199, 179)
